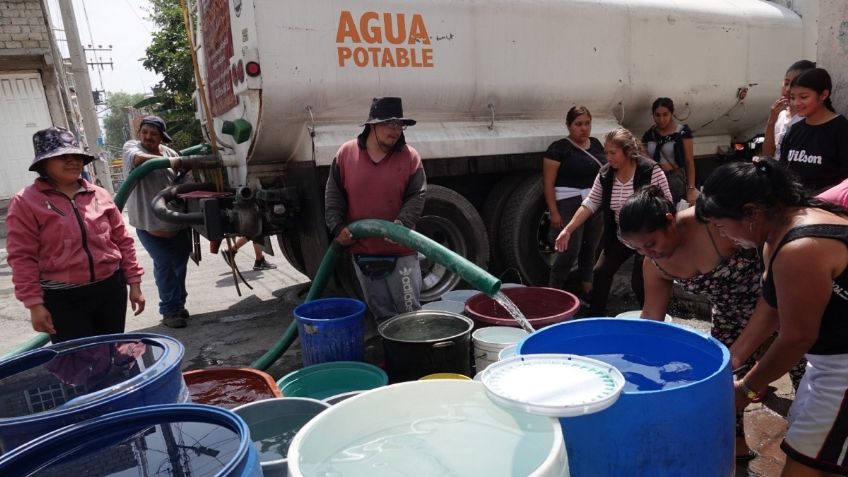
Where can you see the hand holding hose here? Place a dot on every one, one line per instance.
(345, 238)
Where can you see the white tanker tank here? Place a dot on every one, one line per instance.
(489, 82)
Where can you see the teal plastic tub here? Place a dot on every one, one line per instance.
(323, 380)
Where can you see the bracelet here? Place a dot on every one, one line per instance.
(693, 188)
(749, 393)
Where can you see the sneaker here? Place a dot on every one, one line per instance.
(263, 265)
(228, 256)
(174, 321)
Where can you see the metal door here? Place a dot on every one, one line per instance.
(23, 111)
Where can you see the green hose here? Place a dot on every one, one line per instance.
(145, 168)
(121, 197)
(325, 271)
(36, 341)
(471, 273)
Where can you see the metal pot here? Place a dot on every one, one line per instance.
(425, 342)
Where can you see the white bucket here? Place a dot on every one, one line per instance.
(507, 352)
(638, 314)
(488, 342)
(452, 306)
(444, 427)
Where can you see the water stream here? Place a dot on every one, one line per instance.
(513, 310)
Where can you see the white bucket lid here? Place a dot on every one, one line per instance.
(498, 335)
(556, 385)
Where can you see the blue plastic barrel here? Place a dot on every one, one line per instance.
(175, 439)
(331, 329)
(675, 431)
(48, 388)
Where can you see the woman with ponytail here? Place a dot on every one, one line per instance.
(804, 243)
(816, 149)
(681, 249)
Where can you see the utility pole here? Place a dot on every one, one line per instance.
(79, 68)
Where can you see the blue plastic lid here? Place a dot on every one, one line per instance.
(73, 374)
(181, 439)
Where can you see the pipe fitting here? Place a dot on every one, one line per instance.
(159, 204)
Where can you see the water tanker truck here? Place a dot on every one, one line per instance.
(489, 82)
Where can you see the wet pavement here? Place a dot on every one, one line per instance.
(228, 330)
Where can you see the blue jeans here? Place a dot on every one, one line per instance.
(170, 259)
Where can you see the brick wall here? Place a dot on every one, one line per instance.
(22, 25)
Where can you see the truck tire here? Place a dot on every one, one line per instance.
(451, 220)
(290, 246)
(523, 234)
(492, 212)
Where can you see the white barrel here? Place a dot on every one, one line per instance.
(638, 314)
(507, 352)
(444, 427)
(488, 342)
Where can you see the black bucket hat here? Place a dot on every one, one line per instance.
(54, 142)
(159, 123)
(387, 109)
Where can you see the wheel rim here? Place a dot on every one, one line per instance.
(435, 278)
(545, 247)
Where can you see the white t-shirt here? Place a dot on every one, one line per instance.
(781, 127)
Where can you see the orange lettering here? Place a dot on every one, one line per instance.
(371, 34)
(374, 58)
(360, 57)
(347, 28)
(388, 59)
(414, 54)
(417, 31)
(401, 26)
(344, 54)
(402, 55)
(427, 57)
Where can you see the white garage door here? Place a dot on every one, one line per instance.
(23, 111)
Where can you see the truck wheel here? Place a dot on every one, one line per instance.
(523, 234)
(492, 212)
(451, 220)
(290, 246)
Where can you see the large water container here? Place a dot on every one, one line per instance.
(174, 440)
(680, 422)
(432, 427)
(45, 389)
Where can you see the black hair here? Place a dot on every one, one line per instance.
(575, 112)
(765, 183)
(818, 80)
(645, 211)
(662, 103)
(801, 65)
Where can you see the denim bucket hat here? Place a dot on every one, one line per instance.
(53, 142)
(387, 109)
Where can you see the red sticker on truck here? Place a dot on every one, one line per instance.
(383, 40)
(217, 50)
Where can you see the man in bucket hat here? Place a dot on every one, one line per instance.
(168, 244)
(70, 253)
(379, 176)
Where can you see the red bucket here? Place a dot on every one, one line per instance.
(230, 387)
(542, 307)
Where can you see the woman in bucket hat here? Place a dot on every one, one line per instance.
(72, 258)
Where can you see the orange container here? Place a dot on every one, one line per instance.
(230, 387)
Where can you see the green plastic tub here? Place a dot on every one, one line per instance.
(321, 381)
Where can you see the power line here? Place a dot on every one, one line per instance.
(143, 23)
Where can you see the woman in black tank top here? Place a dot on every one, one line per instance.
(804, 244)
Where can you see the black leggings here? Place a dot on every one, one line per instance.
(614, 255)
(96, 309)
